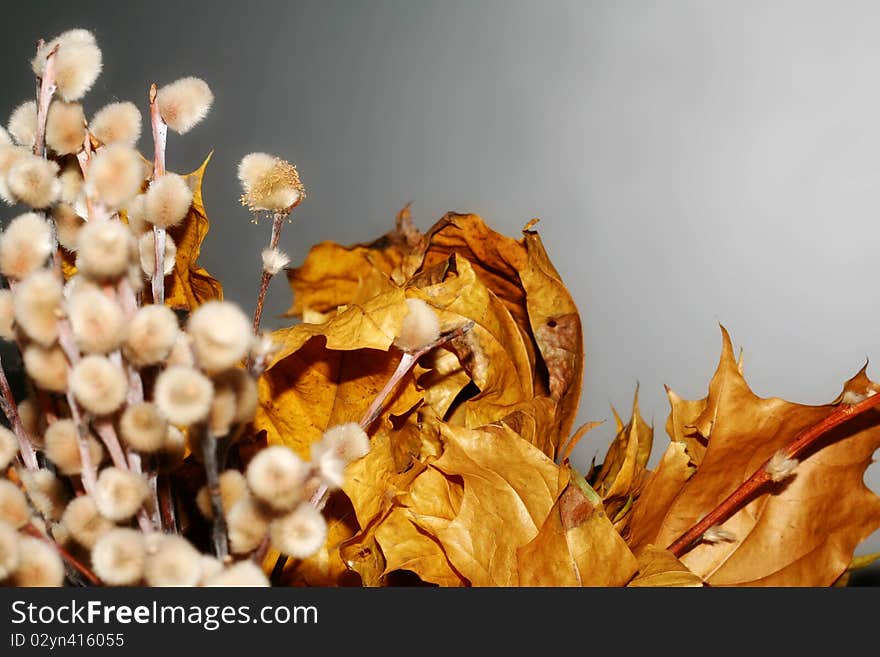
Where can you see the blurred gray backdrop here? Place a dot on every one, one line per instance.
(692, 162)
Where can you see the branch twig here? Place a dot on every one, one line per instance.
(44, 99)
(209, 454)
(10, 410)
(160, 138)
(799, 445)
(277, 224)
(64, 554)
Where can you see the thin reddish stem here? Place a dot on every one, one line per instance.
(10, 410)
(44, 99)
(795, 449)
(277, 225)
(81, 568)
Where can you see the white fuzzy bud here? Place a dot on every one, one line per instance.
(167, 201)
(97, 321)
(32, 180)
(274, 261)
(300, 533)
(119, 493)
(37, 305)
(147, 253)
(221, 335)
(39, 564)
(22, 124)
(24, 245)
(115, 175)
(77, 62)
(183, 395)
(117, 123)
(269, 183)
(99, 384)
(104, 250)
(65, 127)
(277, 476)
(420, 328)
(151, 335)
(780, 467)
(118, 557)
(184, 103)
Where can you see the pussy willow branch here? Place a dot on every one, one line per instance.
(160, 138)
(795, 449)
(44, 99)
(277, 224)
(10, 410)
(64, 554)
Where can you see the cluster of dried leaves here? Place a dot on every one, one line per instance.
(468, 481)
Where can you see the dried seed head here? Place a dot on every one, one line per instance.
(8, 447)
(62, 447)
(300, 533)
(171, 561)
(143, 428)
(67, 225)
(24, 245)
(184, 103)
(221, 335)
(151, 335)
(269, 183)
(78, 62)
(39, 564)
(147, 252)
(420, 328)
(274, 261)
(104, 250)
(7, 315)
(65, 127)
(716, 534)
(10, 553)
(117, 123)
(31, 180)
(183, 395)
(119, 493)
(243, 573)
(13, 505)
(97, 321)
(118, 557)
(276, 475)
(37, 302)
(46, 492)
(780, 467)
(247, 523)
(347, 442)
(238, 387)
(115, 175)
(48, 368)
(99, 384)
(167, 201)
(83, 521)
(22, 124)
(233, 487)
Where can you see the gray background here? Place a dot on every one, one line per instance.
(692, 162)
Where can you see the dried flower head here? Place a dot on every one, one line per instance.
(99, 384)
(97, 321)
(420, 327)
(247, 523)
(184, 103)
(46, 491)
(274, 261)
(37, 304)
(276, 475)
(78, 62)
(32, 180)
(38, 565)
(167, 201)
(147, 252)
(780, 467)
(183, 395)
(62, 447)
(22, 125)
(65, 127)
(13, 505)
(269, 183)
(7, 315)
(104, 250)
(143, 427)
(115, 175)
(243, 573)
(117, 123)
(119, 493)
(221, 335)
(83, 521)
(48, 368)
(10, 553)
(300, 533)
(171, 561)
(233, 486)
(24, 245)
(151, 335)
(118, 557)
(8, 447)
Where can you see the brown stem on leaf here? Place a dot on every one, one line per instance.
(209, 455)
(64, 554)
(44, 99)
(160, 138)
(795, 449)
(10, 410)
